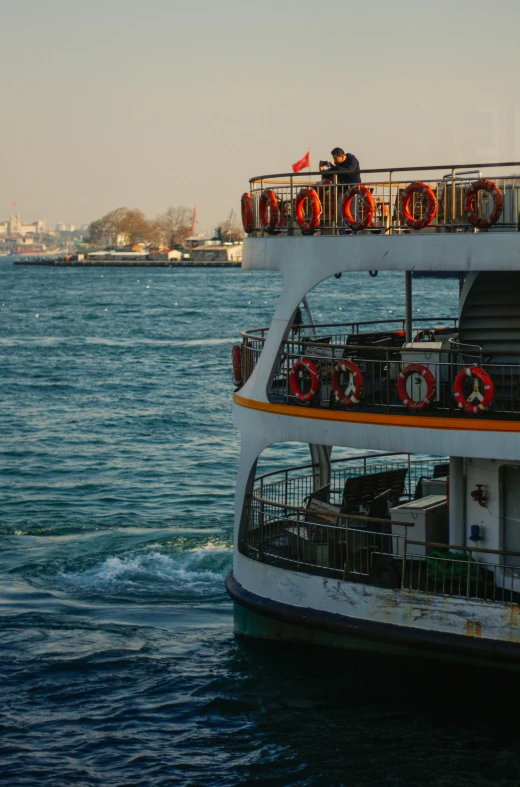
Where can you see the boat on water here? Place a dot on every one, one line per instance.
(410, 546)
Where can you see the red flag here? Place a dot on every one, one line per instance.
(303, 162)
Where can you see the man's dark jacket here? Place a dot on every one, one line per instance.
(348, 170)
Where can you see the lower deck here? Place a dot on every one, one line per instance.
(386, 521)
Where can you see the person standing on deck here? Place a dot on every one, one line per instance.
(347, 171)
(345, 165)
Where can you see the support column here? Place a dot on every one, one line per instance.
(408, 305)
(320, 455)
(457, 501)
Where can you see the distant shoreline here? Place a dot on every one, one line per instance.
(60, 263)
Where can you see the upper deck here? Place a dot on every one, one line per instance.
(461, 217)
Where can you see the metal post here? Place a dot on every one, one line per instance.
(405, 547)
(389, 217)
(408, 305)
(345, 565)
(453, 197)
(290, 217)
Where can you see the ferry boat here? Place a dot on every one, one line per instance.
(410, 546)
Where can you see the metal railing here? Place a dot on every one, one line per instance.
(380, 356)
(290, 486)
(253, 340)
(448, 185)
(330, 542)
(381, 368)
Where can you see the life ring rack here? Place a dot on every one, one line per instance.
(236, 356)
(484, 399)
(418, 187)
(429, 379)
(308, 227)
(346, 204)
(353, 393)
(312, 369)
(269, 211)
(469, 203)
(246, 208)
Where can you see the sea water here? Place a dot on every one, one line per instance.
(117, 460)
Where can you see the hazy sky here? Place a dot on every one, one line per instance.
(153, 103)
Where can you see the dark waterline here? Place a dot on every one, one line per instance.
(117, 463)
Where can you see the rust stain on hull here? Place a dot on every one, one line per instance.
(473, 628)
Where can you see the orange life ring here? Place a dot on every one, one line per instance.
(418, 187)
(346, 203)
(469, 203)
(269, 212)
(484, 399)
(246, 206)
(299, 395)
(308, 227)
(236, 356)
(352, 394)
(429, 379)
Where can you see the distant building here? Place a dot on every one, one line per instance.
(61, 227)
(15, 226)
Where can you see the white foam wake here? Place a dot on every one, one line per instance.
(193, 573)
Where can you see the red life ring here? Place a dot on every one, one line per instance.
(346, 203)
(429, 379)
(246, 206)
(304, 363)
(431, 205)
(269, 211)
(352, 394)
(484, 399)
(469, 203)
(308, 227)
(236, 355)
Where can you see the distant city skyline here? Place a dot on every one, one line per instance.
(168, 103)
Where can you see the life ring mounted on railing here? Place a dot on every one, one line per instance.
(310, 226)
(236, 356)
(246, 208)
(483, 400)
(487, 186)
(269, 211)
(352, 394)
(418, 187)
(294, 382)
(429, 379)
(346, 207)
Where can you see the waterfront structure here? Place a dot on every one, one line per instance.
(414, 546)
(15, 226)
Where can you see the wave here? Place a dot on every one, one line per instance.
(194, 574)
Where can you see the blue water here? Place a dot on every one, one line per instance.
(117, 460)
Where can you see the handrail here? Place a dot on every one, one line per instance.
(360, 518)
(249, 331)
(334, 461)
(465, 549)
(395, 169)
(340, 515)
(391, 348)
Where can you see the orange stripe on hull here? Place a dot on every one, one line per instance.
(378, 419)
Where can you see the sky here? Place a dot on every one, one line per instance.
(148, 104)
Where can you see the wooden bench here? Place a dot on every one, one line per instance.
(360, 491)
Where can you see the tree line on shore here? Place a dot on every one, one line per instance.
(129, 226)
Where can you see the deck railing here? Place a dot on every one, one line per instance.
(253, 340)
(282, 531)
(449, 186)
(381, 361)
